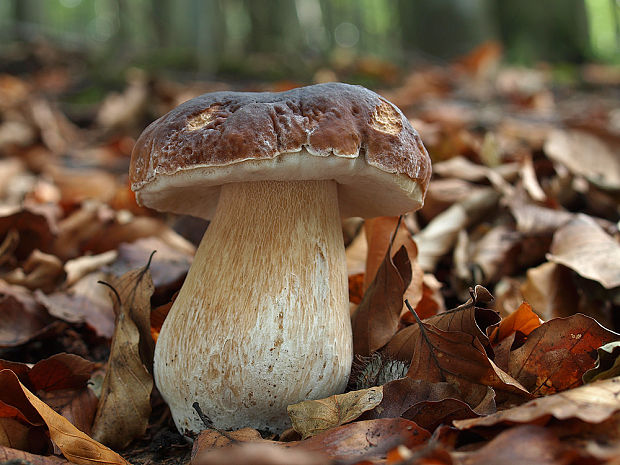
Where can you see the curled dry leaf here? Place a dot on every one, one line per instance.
(312, 417)
(495, 253)
(376, 319)
(557, 354)
(86, 301)
(550, 290)
(439, 236)
(40, 271)
(523, 320)
(586, 155)
(21, 317)
(523, 445)
(124, 406)
(11, 455)
(425, 403)
(386, 232)
(467, 318)
(79, 267)
(607, 363)
(74, 444)
(213, 439)
(368, 440)
(584, 247)
(168, 266)
(35, 228)
(262, 453)
(592, 403)
(61, 381)
(460, 359)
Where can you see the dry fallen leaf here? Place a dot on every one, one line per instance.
(86, 301)
(583, 246)
(261, 453)
(376, 319)
(587, 155)
(523, 320)
(557, 353)
(607, 363)
(592, 403)
(425, 403)
(523, 445)
(21, 317)
(440, 235)
(74, 444)
(467, 318)
(390, 232)
(124, 405)
(459, 358)
(312, 417)
(364, 440)
(10, 455)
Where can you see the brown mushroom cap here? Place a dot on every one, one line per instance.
(325, 131)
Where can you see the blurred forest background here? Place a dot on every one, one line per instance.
(295, 39)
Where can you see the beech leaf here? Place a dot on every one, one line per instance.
(124, 406)
(583, 246)
(376, 319)
(312, 417)
(557, 354)
(607, 364)
(74, 444)
(592, 403)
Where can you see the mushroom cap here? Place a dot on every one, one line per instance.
(326, 131)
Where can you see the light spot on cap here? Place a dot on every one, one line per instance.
(202, 119)
(386, 119)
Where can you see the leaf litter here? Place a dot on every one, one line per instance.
(516, 204)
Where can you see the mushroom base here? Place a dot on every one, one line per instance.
(262, 320)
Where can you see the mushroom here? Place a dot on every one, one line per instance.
(262, 320)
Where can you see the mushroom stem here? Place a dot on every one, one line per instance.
(262, 320)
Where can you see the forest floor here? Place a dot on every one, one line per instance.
(510, 352)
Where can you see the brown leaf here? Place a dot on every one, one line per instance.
(557, 354)
(168, 266)
(496, 253)
(425, 403)
(21, 317)
(61, 381)
(523, 445)
(390, 232)
(36, 230)
(583, 246)
(312, 417)
(40, 271)
(376, 319)
(467, 318)
(587, 155)
(523, 320)
(262, 453)
(550, 290)
(74, 444)
(440, 235)
(213, 439)
(124, 405)
(86, 301)
(458, 358)
(607, 363)
(592, 403)
(7, 454)
(370, 439)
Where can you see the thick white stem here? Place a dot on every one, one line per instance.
(262, 320)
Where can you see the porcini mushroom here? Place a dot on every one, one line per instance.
(262, 320)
